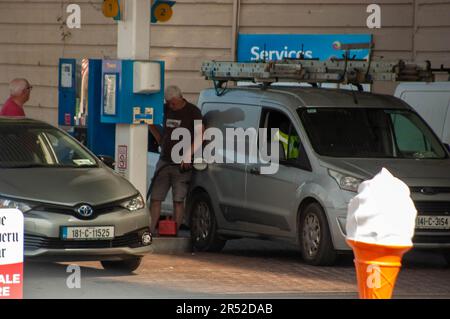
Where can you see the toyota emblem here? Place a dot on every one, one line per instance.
(85, 211)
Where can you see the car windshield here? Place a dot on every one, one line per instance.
(27, 146)
(370, 133)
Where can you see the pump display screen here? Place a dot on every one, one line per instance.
(109, 94)
(66, 75)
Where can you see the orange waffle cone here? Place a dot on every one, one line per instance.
(377, 267)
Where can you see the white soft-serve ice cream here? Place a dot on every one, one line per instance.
(382, 213)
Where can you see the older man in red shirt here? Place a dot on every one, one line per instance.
(20, 90)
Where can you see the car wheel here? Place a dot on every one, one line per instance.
(126, 265)
(315, 238)
(203, 225)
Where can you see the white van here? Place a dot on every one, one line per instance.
(431, 101)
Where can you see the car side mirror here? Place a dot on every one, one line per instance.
(447, 146)
(107, 160)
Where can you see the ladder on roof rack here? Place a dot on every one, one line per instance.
(314, 71)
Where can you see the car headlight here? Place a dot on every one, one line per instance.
(134, 203)
(9, 203)
(345, 182)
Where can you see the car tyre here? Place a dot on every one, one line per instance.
(203, 225)
(315, 237)
(125, 265)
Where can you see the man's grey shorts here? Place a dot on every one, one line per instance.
(170, 176)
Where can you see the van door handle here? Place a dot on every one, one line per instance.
(255, 170)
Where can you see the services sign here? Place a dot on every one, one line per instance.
(271, 47)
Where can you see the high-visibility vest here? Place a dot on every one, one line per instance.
(290, 144)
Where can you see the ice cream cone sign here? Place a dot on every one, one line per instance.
(11, 254)
(380, 226)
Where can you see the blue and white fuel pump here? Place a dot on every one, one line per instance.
(118, 92)
(123, 96)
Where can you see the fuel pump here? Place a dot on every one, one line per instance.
(132, 94)
(96, 95)
(123, 94)
(79, 99)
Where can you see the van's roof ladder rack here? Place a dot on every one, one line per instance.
(314, 71)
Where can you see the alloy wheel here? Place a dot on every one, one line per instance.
(311, 234)
(201, 225)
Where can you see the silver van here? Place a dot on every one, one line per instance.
(337, 139)
(75, 207)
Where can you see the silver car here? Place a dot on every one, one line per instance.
(75, 207)
(335, 139)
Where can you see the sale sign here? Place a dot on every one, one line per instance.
(11, 254)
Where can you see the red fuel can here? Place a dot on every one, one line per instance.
(167, 227)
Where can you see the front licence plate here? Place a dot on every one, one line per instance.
(87, 233)
(432, 222)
